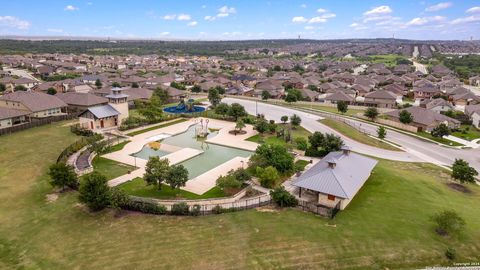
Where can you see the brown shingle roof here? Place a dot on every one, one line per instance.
(35, 101)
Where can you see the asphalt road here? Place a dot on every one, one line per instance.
(415, 149)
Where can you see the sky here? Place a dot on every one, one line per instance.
(242, 19)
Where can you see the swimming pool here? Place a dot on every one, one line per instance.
(213, 155)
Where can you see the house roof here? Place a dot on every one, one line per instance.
(381, 94)
(424, 116)
(6, 113)
(35, 101)
(81, 99)
(339, 96)
(344, 180)
(102, 111)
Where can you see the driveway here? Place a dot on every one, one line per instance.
(415, 149)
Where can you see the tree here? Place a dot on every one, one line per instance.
(301, 143)
(448, 222)
(440, 131)
(222, 109)
(177, 176)
(265, 95)
(268, 176)
(239, 125)
(135, 85)
(162, 95)
(236, 110)
(196, 89)
(321, 144)
(290, 97)
(371, 113)
(275, 155)
(283, 198)
(156, 171)
(228, 182)
(20, 88)
(51, 91)
(178, 85)
(295, 120)
(94, 191)
(116, 84)
(332, 143)
(62, 175)
(462, 172)
(2, 87)
(214, 97)
(98, 83)
(381, 132)
(261, 125)
(342, 106)
(152, 111)
(220, 90)
(405, 117)
(284, 119)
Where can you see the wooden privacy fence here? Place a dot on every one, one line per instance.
(36, 122)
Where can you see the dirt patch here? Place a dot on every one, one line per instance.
(459, 187)
(267, 209)
(237, 132)
(52, 197)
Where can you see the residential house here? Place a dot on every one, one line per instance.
(424, 119)
(12, 117)
(475, 81)
(473, 111)
(80, 102)
(381, 99)
(437, 105)
(37, 104)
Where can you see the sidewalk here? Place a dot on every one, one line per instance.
(472, 144)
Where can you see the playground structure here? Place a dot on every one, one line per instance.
(201, 128)
(185, 105)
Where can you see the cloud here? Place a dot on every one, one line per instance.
(473, 10)
(317, 20)
(377, 11)
(169, 17)
(209, 18)
(357, 26)
(321, 10)
(309, 27)
(425, 20)
(226, 9)
(14, 22)
(184, 17)
(299, 19)
(469, 19)
(439, 6)
(55, 30)
(194, 23)
(71, 8)
(221, 15)
(223, 12)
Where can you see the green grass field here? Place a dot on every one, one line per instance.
(438, 139)
(350, 112)
(387, 225)
(471, 134)
(138, 187)
(356, 135)
(272, 138)
(110, 168)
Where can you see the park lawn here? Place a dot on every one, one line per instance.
(387, 225)
(273, 139)
(110, 168)
(156, 127)
(138, 187)
(350, 112)
(438, 139)
(472, 133)
(356, 135)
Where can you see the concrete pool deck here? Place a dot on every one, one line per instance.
(201, 183)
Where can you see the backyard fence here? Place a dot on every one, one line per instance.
(35, 122)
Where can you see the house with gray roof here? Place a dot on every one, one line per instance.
(99, 117)
(11, 117)
(424, 119)
(381, 99)
(336, 179)
(79, 102)
(37, 104)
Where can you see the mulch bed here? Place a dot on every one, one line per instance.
(459, 187)
(237, 132)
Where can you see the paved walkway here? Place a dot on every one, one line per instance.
(472, 144)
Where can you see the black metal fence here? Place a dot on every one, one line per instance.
(318, 209)
(36, 122)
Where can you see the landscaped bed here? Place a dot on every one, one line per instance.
(387, 225)
(467, 132)
(272, 138)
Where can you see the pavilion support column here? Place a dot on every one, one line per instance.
(299, 192)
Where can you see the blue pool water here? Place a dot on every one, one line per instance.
(183, 109)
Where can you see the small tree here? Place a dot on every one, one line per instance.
(342, 106)
(448, 222)
(405, 117)
(214, 97)
(440, 131)
(295, 120)
(283, 198)
(261, 126)
(94, 191)
(222, 109)
(284, 119)
(265, 95)
(98, 83)
(116, 84)
(177, 176)
(462, 172)
(135, 85)
(196, 89)
(236, 110)
(2, 87)
(162, 95)
(239, 125)
(290, 97)
(381, 132)
(301, 143)
(51, 91)
(20, 88)
(156, 171)
(371, 113)
(268, 176)
(62, 175)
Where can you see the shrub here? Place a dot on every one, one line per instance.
(268, 176)
(450, 253)
(242, 175)
(119, 199)
(77, 130)
(94, 191)
(462, 172)
(180, 209)
(301, 143)
(228, 182)
(148, 207)
(283, 198)
(195, 211)
(62, 175)
(217, 209)
(448, 222)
